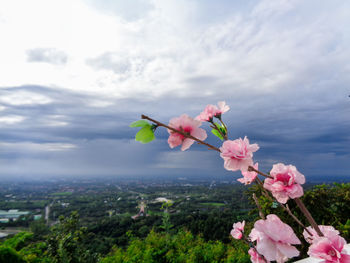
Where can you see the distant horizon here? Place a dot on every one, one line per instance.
(160, 179)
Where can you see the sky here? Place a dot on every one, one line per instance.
(75, 74)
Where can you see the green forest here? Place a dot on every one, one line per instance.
(188, 229)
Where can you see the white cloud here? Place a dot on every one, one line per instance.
(274, 46)
(55, 121)
(17, 98)
(36, 147)
(11, 119)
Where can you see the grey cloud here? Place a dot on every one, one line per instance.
(47, 55)
(292, 131)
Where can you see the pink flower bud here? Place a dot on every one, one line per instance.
(237, 230)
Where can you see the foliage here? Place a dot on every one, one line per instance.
(146, 133)
(9, 255)
(35, 253)
(180, 247)
(19, 240)
(166, 225)
(39, 229)
(65, 242)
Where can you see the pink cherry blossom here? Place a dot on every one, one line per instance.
(208, 113)
(222, 108)
(212, 111)
(327, 231)
(255, 257)
(285, 183)
(237, 230)
(248, 177)
(274, 239)
(331, 249)
(188, 125)
(238, 154)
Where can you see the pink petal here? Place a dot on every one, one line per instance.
(231, 164)
(186, 144)
(174, 140)
(295, 191)
(199, 133)
(288, 250)
(236, 234)
(267, 248)
(344, 258)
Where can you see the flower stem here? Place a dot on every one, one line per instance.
(308, 216)
(251, 244)
(285, 207)
(261, 214)
(216, 128)
(252, 169)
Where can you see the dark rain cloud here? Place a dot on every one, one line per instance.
(69, 136)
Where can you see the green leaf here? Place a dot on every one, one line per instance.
(217, 134)
(220, 127)
(145, 135)
(140, 123)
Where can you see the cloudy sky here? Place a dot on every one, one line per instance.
(75, 74)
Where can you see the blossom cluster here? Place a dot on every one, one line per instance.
(270, 239)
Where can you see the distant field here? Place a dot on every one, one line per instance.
(62, 193)
(213, 204)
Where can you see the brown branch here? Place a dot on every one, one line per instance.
(252, 169)
(308, 216)
(285, 207)
(261, 214)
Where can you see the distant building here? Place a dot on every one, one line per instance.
(37, 217)
(13, 214)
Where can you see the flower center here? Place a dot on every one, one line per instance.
(284, 178)
(331, 253)
(187, 129)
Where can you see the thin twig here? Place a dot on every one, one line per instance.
(216, 128)
(251, 244)
(261, 214)
(308, 216)
(223, 124)
(285, 207)
(252, 169)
